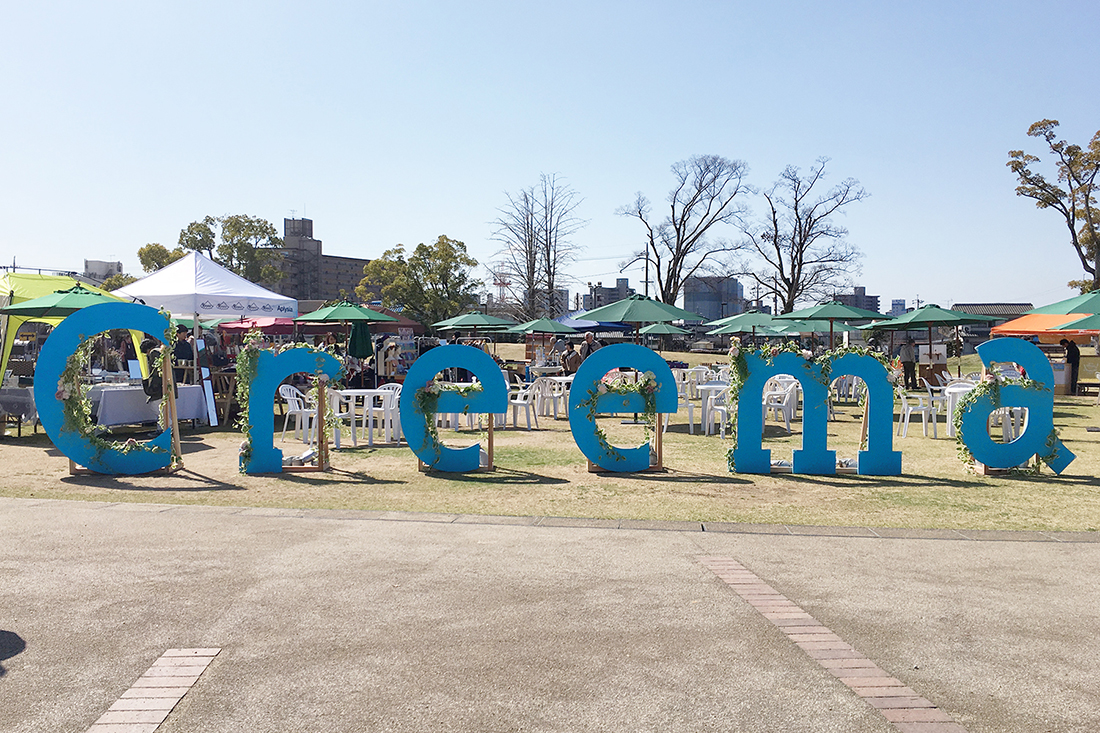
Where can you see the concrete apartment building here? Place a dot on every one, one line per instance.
(859, 298)
(311, 274)
(598, 295)
(713, 296)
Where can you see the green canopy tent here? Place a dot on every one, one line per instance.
(1087, 303)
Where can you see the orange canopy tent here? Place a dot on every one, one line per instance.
(1042, 325)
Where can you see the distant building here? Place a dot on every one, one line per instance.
(713, 296)
(98, 270)
(859, 298)
(598, 295)
(897, 308)
(309, 273)
(1004, 312)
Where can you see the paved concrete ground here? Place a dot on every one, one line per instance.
(332, 621)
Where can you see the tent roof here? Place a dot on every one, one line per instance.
(195, 284)
(1035, 324)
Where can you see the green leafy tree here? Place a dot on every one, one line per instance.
(114, 282)
(1073, 194)
(247, 245)
(154, 256)
(432, 284)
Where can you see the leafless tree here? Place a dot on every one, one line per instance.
(678, 245)
(803, 254)
(535, 229)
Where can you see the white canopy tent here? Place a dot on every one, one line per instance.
(195, 287)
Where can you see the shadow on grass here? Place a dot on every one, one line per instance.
(671, 475)
(123, 482)
(501, 476)
(333, 476)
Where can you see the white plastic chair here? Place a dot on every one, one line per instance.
(298, 407)
(683, 402)
(719, 412)
(783, 402)
(919, 404)
(938, 401)
(525, 398)
(343, 410)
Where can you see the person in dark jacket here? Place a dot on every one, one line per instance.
(1073, 361)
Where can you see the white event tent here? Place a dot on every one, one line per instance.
(197, 287)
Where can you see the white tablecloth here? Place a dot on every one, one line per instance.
(18, 401)
(130, 406)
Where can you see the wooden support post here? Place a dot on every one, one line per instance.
(168, 383)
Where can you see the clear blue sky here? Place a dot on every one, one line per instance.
(392, 123)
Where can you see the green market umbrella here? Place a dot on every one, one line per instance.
(1088, 323)
(1087, 303)
(748, 320)
(541, 325)
(744, 323)
(927, 317)
(472, 321)
(343, 312)
(663, 329)
(640, 309)
(60, 303)
(831, 312)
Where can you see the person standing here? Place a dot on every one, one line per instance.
(1073, 361)
(907, 354)
(590, 345)
(570, 360)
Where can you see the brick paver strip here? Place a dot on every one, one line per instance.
(907, 711)
(147, 703)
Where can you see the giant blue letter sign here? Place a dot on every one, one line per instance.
(814, 457)
(271, 370)
(880, 458)
(586, 386)
(1039, 404)
(62, 343)
(493, 398)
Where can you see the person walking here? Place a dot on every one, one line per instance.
(1073, 361)
(907, 354)
(590, 345)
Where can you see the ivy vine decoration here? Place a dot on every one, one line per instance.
(739, 373)
(991, 385)
(247, 360)
(646, 385)
(76, 410)
(426, 399)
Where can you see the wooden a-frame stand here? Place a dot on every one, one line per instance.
(322, 443)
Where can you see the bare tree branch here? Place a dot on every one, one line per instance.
(705, 195)
(802, 253)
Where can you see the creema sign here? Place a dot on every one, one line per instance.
(652, 394)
